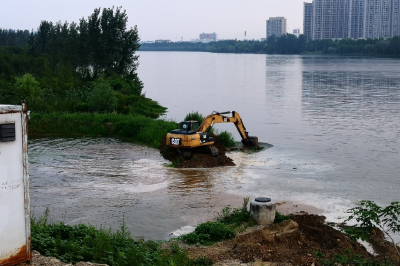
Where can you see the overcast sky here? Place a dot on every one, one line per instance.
(163, 19)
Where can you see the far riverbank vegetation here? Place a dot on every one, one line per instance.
(287, 44)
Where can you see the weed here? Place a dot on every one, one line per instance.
(235, 217)
(209, 232)
(226, 139)
(280, 217)
(72, 244)
(369, 215)
(223, 228)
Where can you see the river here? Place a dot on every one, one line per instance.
(333, 123)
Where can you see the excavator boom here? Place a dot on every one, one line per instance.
(217, 117)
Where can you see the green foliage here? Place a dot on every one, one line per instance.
(135, 128)
(27, 88)
(72, 244)
(280, 217)
(196, 116)
(13, 37)
(369, 216)
(226, 139)
(102, 98)
(223, 228)
(236, 216)
(70, 67)
(287, 44)
(209, 232)
(98, 45)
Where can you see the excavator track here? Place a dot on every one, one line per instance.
(186, 153)
(213, 150)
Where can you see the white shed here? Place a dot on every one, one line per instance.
(15, 233)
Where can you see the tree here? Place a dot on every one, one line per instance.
(102, 99)
(27, 88)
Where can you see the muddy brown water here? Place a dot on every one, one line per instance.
(333, 123)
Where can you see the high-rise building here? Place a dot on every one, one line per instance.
(308, 19)
(276, 26)
(378, 19)
(330, 19)
(337, 19)
(356, 20)
(296, 32)
(396, 18)
(208, 37)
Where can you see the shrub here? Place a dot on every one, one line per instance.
(369, 215)
(72, 244)
(27, 88)
(102, 98)
(280, 217)
(209, 232)
(196, 116)
(235, 216)
(226, 139)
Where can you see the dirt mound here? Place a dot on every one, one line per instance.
(198, 160)
(293, 242)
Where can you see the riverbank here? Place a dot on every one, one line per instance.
(304, 239)
(132, 128)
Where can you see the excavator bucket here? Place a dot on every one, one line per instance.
(251, 141)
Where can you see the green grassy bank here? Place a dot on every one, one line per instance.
(72, 244)
(133, 128)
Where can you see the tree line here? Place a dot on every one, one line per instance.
(287, 44)
(88, 66)
(13, 37)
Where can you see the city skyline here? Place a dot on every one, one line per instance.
(157, 19)
(356, 19)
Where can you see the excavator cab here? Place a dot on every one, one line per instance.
(186, 127)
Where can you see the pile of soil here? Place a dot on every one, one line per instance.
(292, 242)
(198, 160)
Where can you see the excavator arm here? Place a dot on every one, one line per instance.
(217, 117)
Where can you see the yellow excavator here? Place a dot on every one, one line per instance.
(190, 136)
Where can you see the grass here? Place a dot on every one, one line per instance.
(134, 128)
(72, 244)
(228, 222)
(280, 217)
(223, 228)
